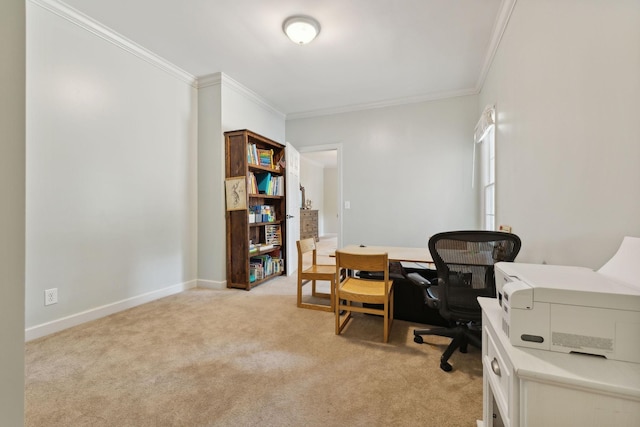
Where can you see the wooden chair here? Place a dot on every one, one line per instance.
(352, 289)
(312, 274)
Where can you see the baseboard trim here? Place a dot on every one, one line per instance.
(212, 284)
(63, 323)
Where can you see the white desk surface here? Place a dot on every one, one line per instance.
(395, 253)
(582, 371)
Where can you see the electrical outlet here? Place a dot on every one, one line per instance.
(51, 296)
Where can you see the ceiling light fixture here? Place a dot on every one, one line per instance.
(301, 29)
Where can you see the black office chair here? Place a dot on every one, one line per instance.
(464, 262)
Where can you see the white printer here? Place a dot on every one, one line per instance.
(574, 309)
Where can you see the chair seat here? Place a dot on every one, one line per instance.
(313, 273)
(322, 273)
(319, 272)
(361, 290)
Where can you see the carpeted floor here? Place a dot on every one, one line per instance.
(238, 358)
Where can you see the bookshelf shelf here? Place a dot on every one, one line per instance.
(257, 224)
(246, 268)
(265, 196)
(258, 168)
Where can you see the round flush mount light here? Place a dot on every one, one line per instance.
(301, 29)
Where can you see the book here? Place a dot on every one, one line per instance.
(252, 154)
(256, 272)
(252, 184)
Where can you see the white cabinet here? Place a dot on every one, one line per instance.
(530, 387)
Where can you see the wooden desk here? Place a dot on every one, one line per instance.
(396, 253)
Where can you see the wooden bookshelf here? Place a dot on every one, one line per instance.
(242, 159)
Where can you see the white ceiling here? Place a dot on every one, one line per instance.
(324, 158)
(368, 53)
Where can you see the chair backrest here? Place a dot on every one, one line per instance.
(305, 246)
(378, 262)
(464, 261)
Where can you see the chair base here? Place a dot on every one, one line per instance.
(314, 293)
(462, 335)
(344, 311)
(319, 307)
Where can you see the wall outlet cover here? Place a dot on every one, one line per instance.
(51, 296)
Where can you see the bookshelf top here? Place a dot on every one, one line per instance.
(254, 138)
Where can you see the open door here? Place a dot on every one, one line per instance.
(293, 207)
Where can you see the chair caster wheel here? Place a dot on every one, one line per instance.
(445, 366)
(418, 339)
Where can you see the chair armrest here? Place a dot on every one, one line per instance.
(419, 280)
(431, 297)
(429, 288)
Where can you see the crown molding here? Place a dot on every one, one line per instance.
(224, 80)
(499, 27)
(78, 18)
(382, 104)
(214, 79)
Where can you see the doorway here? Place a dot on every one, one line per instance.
(321, 176)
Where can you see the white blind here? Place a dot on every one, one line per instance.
(486, 122)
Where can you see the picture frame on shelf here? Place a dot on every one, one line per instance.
(236, 193)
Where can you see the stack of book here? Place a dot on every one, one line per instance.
(269, 184)
(259, 156)
(262, 213)
(260, 269)
(262, 266)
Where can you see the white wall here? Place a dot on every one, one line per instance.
(211, 225)
(244, 109)
(312, 179)
(406, 169)
(566, 84)
(224, 105)
(111, 174)
(12, 188)
(330, 206)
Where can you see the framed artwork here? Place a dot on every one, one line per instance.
(236, 191)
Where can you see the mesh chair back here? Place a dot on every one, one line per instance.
(464, 261)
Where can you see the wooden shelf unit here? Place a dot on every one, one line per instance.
(239, 230)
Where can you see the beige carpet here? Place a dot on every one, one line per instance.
(238, 358)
